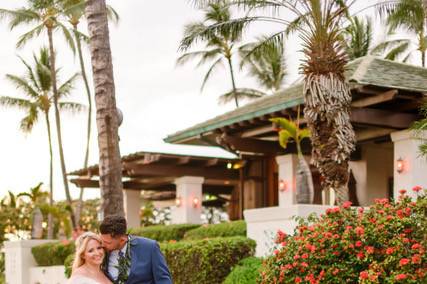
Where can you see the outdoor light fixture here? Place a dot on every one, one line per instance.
(283, 185)
(196, 202)
(229, 166)
(400, 165)
(178, 201)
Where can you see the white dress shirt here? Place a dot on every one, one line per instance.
(113, 262)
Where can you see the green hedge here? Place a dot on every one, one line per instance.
(52, 253)
(162, 233)
(205, 261)
(246, 272)
(68, 263)
(228, 229)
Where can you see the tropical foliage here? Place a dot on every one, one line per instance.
(384, 244)
(411, 16)
(221, 49)
(290, 131)
(420, 128)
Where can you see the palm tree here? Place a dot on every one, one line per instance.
(220, 49)
(290, 130)
(327, 94)
(73, 10)
(410, 15)
(267, 67)
(36, 85)
(107, 116)
(358, 37)
(420, 128)
(44, 14)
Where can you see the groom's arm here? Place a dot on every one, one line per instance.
(160, 269)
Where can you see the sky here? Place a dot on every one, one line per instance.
(156, 97)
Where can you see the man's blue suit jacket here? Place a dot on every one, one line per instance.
(148, 265)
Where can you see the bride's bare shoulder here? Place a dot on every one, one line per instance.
(78, 277)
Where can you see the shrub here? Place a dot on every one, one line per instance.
(246, 272)
(68, 263)
(205, 261)
(385, 244)
(52, 253)
(228, 229)
(163, 233)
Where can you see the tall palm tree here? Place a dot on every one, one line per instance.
(327, 94)
(73, 10)
(268, 67)
(220, 49)
(358, 37)
(44, 15)
(36, 85)
(107, 116)
(410, 15)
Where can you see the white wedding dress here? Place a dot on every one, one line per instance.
(79, 279)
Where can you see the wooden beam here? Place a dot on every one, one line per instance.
(138, 170)
(183, 160)
(376, 99)
(372, 133)
(250, 145)
(85, 182)
(211, 162)
(382, 118)
(258, 131)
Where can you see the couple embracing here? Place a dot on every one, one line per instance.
(118, 258)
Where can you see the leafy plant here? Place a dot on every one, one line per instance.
(384, 244)
(52, 253)
(245, 272)
(162, 233)
(226, 229)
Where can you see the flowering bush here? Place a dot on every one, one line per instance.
(384, 244)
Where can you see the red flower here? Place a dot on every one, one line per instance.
(389, 251)
(369, 249)
(358, 244)
(361, 209)
(304, 264)
(402, 191)
(360, 255)
(359, 231)
(400, 276)
(416, 246)
(403, 261)
(416, 259)
(364, 275)
(298, 280)
(347, 204)
(417, 188)
(276, 251)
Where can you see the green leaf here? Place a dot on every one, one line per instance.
(284, 137)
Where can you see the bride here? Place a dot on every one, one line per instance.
(87, 261)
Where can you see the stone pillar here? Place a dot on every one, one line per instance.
(406, 147)
(188, 190)
(132, 204)
(287, 179)
(19, 260)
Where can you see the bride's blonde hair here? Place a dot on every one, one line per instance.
(81, 245)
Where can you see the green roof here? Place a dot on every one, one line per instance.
(367, 70)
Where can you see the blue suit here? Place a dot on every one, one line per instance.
(148, 265)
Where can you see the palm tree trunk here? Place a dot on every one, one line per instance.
(233, 82)
(304, 179)
(49, 216)
(58, 126)
(110, 170)
(327, 105)
(89, 119)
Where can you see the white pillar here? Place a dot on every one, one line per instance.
(132, 204)
(406, 147)
(287, 179)
(188, 190)
(19, 260)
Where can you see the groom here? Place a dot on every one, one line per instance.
(131, 259)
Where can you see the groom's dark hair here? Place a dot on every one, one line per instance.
(115, 225)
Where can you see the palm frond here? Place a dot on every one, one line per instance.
(21, 84)
(382, 47)
(15, 102)
(43, 69)
(65, 89)
(68, 37)
(112, 14)
(208, 74)
(71, 107)
(23, 39)
(183, 59)
(284, 138)
(398, 51)
(19, 16)
(30, 73)
(240, 94)
(28, 122)
(286, 124)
